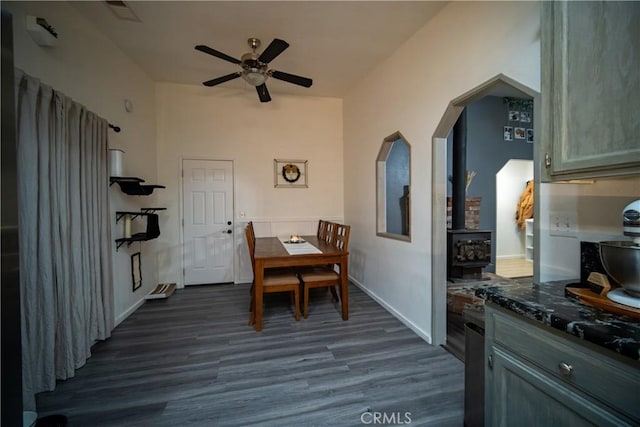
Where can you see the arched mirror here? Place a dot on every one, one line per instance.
(393, 187)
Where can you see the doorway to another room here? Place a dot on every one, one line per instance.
(514, 221)
(449, 305)
(207, 208)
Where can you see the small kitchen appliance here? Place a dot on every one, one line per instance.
(621, 259)
(631, 221)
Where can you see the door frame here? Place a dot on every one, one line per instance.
(439, 193)
(181, 219)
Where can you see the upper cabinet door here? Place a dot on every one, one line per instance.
(590, 55)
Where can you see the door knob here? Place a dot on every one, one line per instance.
(229, 231)
(228, 222)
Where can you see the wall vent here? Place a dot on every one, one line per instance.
(122, 10)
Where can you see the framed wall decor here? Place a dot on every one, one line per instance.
(519, 133)
(136, 272)
(530, 136)
(508, 133)
(290, 173)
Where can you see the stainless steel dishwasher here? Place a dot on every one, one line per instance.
(473, 368)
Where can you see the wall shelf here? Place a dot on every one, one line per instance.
(138, 237)
(528, 236)
(142, 212)
(133, 185)
(153, 227)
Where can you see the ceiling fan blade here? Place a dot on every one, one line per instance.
(222, 79)
(217, 54)
(275, 48)
(292, 78)
(263, 93)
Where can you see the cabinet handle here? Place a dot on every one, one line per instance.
(565, 369)
(490, 361)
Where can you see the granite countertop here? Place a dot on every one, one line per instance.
(547, 304)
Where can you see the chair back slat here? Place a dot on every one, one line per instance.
(322, 229)
(330, 234)
(341, 237)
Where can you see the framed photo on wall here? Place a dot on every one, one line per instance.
(530, 136)
(514, 116)
(290, 173)
(508, 133)
(519, 133)
(136, 272)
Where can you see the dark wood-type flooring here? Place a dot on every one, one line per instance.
(191, 360)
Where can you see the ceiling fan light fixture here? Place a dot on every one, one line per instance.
(254, 77)
(255, 67)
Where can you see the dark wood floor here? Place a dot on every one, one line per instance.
(192, 360)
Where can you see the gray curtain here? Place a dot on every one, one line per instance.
(66, 281)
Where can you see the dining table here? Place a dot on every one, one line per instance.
(271, 253)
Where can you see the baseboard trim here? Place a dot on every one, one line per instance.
(128, 312)
(421, 333)
(516, 256)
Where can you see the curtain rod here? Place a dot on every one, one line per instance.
(114, 127)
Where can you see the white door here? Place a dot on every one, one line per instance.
(207, 188)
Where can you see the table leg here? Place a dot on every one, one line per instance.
(344, 286)
(259, 276)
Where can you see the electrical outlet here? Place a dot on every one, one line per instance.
(563, 223)
(243, 214)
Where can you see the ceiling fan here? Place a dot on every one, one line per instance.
(255, 69)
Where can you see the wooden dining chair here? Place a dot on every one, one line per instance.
(273, 281)
(322, 229)
(330, 230)
(325, 276)
(252, 235)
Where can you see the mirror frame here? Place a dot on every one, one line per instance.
(381, 188)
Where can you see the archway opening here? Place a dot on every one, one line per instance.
(499, 86)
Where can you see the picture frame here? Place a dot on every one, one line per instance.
(530, 136)
(136, 271)
(508, 133)
(514, 116)
(519, 133)
(525, 116)
(290, 173)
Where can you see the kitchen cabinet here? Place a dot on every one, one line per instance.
(590, 57)
(536, 376)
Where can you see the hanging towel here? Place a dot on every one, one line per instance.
(524, 210)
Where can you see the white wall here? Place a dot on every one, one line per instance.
(511, 181)
(596, 210)
(94, 72)
(196, 122)
(463, 46)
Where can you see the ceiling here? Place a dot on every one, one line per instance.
(334, 43)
